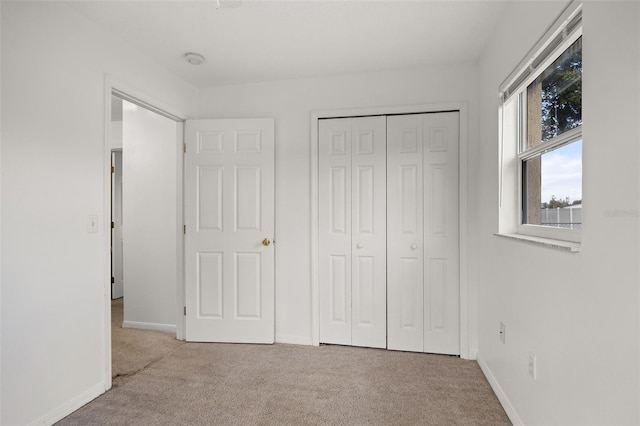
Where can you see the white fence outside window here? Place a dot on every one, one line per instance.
(563, 217)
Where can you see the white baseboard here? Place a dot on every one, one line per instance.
(170, 328)
(70, 406)
(502, 397)
(293, 339)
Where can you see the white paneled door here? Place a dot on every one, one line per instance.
(389, 232)
(352, 242)
(405, 212)
(229, 216)
(423, 281)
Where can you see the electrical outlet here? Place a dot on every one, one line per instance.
(533, 367)
(502, 332)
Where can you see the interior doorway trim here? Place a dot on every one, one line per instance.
(467, 331)
(114, 86)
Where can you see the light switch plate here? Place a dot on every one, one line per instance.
(92, 223)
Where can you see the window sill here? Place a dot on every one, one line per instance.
(547, 242)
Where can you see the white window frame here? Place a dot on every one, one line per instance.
(562, 34)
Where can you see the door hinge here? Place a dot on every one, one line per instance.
(113, 280)
(113, 169)
(184, 148)
(185, 311)
(113, 225)
(184, 229)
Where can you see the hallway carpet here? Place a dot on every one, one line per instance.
(131, 349)
(238, 384)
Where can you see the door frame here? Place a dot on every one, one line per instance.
(114, 86)
(468, 333)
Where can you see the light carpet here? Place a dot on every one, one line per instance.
(132, 349)
(238, 384)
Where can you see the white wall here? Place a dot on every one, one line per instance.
(149, 160)
(53, 174)
(1, 363)
(291, 103)
(578, 313)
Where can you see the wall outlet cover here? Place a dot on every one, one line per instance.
(533, 366)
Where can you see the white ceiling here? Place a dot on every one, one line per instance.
(275, 40)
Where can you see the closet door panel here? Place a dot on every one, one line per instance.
(441, 228)
(334, 269)
(405, 233)
(369, 232)
(389, 232)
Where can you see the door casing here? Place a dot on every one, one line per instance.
(114, 86)
(468, 345)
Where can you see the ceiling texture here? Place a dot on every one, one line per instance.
(252, 41)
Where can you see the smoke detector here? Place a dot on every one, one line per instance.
(194, 58)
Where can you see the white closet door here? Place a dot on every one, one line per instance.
(368, 232)
(335, 231)
(441, 233)
(352, 227)
(405, 233)
(423, 233)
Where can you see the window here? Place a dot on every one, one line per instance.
(551, 148)
(542, 137)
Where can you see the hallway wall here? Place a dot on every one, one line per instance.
(150, 156)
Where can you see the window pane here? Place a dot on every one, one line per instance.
(552, 188)
(554, 99)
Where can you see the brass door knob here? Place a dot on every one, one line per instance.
(266, 242)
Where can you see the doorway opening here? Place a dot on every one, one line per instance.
(144, 146)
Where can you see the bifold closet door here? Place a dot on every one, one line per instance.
(423, 233)
(352, 231)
